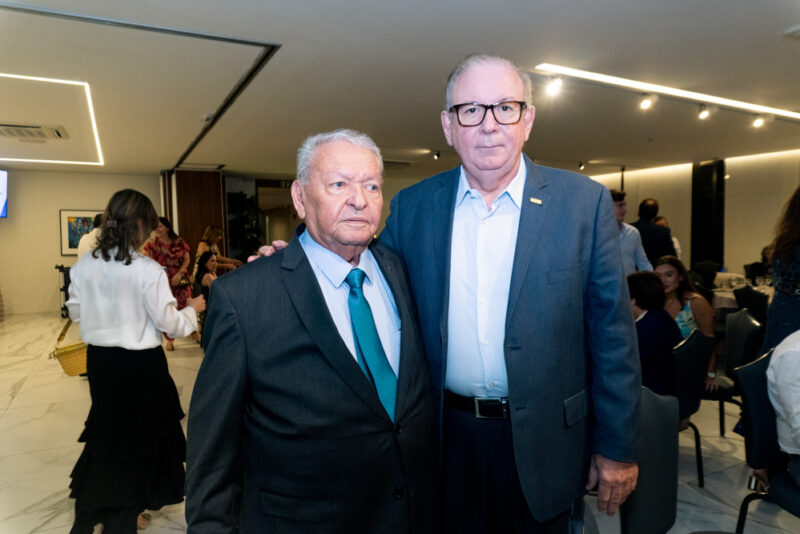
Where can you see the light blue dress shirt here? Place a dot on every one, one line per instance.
(481, 260)
(331, 270)
(633, 256)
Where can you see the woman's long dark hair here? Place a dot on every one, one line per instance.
(202, 268)
(788, 230)
(127, 222)
(685, 284)
(168, 225)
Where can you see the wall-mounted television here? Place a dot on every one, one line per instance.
(3, 194)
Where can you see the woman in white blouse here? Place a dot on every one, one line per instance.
(134, 444)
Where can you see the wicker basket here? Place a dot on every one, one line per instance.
(72, 358)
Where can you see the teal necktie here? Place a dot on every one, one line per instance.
(368, 344)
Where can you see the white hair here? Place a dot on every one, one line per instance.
(484, 59)
(307, 151)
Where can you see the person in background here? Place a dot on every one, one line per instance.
(686, 306)
(656, 331)
(630, 242)
(205, 275)
(783, 387)
(662, 221)
(88, 240)
(657, 240)
(172, 253)
(517, 276)
(783, 316)
(210, 241)
(134, 448)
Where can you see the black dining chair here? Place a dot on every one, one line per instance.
(754, 300)
(752, 270)
(761, 442)
(742, 343)
(708, 269)
(652, 507)
(691, 363)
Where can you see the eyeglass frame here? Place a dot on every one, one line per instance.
(486, 107)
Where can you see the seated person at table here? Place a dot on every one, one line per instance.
(684, 304)
(656, 331)
(783, 386)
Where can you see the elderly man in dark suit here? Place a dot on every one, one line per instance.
(312, 410)
(656, 239)
(516, 272)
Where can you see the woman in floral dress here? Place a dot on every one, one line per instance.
(172, 252)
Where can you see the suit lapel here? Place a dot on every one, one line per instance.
(304, 291)
(444, 205)
(393, 274)
(535, 208)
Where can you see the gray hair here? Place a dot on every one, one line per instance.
(307, 151)
(484, 59)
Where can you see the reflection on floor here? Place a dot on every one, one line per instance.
(42, 413)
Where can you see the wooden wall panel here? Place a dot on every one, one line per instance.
(200, 201)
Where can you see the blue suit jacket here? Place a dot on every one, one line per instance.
(570, 342)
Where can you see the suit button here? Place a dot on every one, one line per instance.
(398, 429)
(398, 492)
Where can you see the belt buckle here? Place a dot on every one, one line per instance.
(503, 406)
(478, 409)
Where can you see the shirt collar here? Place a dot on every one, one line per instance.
(331, 265)
(513, 190)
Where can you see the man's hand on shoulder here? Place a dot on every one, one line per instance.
(614, 481)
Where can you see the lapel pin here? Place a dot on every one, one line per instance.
(536, 201)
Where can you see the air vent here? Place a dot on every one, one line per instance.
(389, 164)
(793, 33)
(32, 133)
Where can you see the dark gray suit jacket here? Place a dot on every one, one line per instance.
(286, 434)
(570, 343)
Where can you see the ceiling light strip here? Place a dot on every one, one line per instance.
(548, 68)
(89, 104)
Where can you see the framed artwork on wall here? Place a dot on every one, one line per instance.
(75, 223)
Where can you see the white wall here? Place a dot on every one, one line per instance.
(671, 187)
(756, 191)
(30, 237)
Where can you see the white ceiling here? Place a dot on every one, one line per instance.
(380, 66)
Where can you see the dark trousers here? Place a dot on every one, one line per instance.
(794, 468)
(114, 520)
(482, 492)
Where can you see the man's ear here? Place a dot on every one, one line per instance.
(447, 124)
(297, 199)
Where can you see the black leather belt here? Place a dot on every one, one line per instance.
(479, 407)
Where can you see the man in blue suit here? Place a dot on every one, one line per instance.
(526, 321)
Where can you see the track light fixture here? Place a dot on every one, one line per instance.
(647, 101)
(758, 122)
(704, 112)
(554, 87)
(581, 166)
(437, 155)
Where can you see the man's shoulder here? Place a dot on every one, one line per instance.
(251, 275)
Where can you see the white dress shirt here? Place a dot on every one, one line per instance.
(126, 306)
(88, 242)
(331, 271)
(783, 386)
(633, 256)
(481, 260)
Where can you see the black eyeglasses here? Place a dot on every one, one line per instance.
(472, 113)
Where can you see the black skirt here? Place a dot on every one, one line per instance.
(135, 446)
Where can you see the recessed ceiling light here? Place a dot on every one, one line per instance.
(651, 88)
(90, 106)
(646, 102)
(554, 87)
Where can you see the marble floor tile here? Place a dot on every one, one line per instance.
(42, 412)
